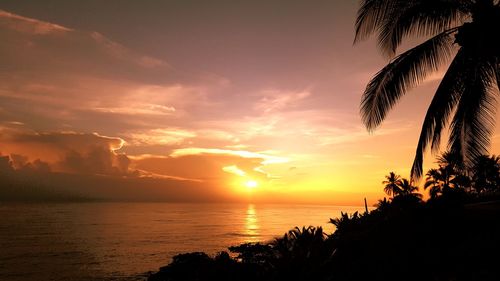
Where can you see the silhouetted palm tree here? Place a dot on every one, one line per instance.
(392, 183)
(300, 251)
(299, 240)
(345, 222)
(449, 174)
(407, 188)
(436, 180)
(466, 31)
(383, 204)
(486, 173)
(462, 181)
(452, 162)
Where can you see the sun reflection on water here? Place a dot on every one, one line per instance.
(252, 228)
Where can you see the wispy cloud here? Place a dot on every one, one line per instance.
(164, 136)
(147, 109)
(266, 159)
(275, 100)
(46, 78)
(29, 25)
(119, 51)
(233, 169)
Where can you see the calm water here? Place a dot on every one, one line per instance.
(123, 241)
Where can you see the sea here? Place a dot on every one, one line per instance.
(127, 241)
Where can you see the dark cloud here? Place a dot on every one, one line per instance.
(65, 152)
(34, 182)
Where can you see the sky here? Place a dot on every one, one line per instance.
(195, 101)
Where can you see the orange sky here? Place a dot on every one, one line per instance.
(185, 100)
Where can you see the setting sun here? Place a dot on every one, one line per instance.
(251, 184)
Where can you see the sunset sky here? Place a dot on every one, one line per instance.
(197, 101)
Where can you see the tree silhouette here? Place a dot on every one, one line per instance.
(300, 243)
(486, 173)
(465, 31)
(449, 175)
(407, 188)
(452, 162)
(392, 183)
(436, 180)
(383, 204)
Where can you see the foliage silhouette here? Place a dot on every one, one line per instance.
(396, 186)
(407, 188)
(486, 173)
(447, 178)
(465, 31)
(392, 184)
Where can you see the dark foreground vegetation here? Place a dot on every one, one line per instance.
(455, 235)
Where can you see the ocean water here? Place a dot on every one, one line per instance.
(125, 241)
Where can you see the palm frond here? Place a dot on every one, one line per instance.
(420, 18)
(371, 14)
(426, 17)
(433, 178)
(434, 191)
(497, 71)
(429, 183)
(404, 72)
(444, 101)
(474, 120)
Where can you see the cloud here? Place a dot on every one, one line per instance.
(266, 159)
(38, 184)
(206, 168)
(139, 109)
(29, 25)
(77, 166)
(234, 170)
(36, 44)
(163, 136)
(275, 100)
(94, 154)
(211, 165)
(119, 51)
(55, 78)
(16, 162)
(65, 151)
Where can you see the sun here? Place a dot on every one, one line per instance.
(250, 184)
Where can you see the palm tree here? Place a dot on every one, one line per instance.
(462, 181)
(467, 32)
(383, 204)
(486, 173)
(301, 250)
(407, 188)
(452, 162)
(392, 183)
(436, 179)
(443, 179)
(345, 222)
